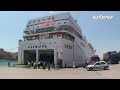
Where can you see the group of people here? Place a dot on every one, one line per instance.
(40, 64)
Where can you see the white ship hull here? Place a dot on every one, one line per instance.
(73, 52)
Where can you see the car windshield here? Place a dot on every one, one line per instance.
(103, 63)
(98, 63)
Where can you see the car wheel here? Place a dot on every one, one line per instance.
(105, 68)
(90, 69)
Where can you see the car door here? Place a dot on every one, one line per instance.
(102, 65)
(97, 65)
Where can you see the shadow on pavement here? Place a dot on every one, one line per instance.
(100, 70)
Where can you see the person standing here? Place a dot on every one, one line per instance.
(65, 65)
(8, 63)
(48, 66)
(60, 64)
(28, 66)
(44, 65)
(39, 64)
(53, 65)
(34, 65)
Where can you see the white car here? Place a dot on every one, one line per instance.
(98, 65)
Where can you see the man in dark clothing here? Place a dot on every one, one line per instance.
(41, 63)
(65, 65)
(60, 64)
(48, 66)
(44, 65)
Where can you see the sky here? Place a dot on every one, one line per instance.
(103, 34)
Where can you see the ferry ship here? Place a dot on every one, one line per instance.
(56, 37)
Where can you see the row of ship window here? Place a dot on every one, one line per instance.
(45, 30)
(50, 36)
(68, 46)
(42, 20)
(49, 24)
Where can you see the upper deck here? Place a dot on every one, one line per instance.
(52, 23)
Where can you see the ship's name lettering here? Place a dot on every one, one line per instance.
(38, 46)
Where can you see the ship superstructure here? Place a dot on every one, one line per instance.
(56, 37)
